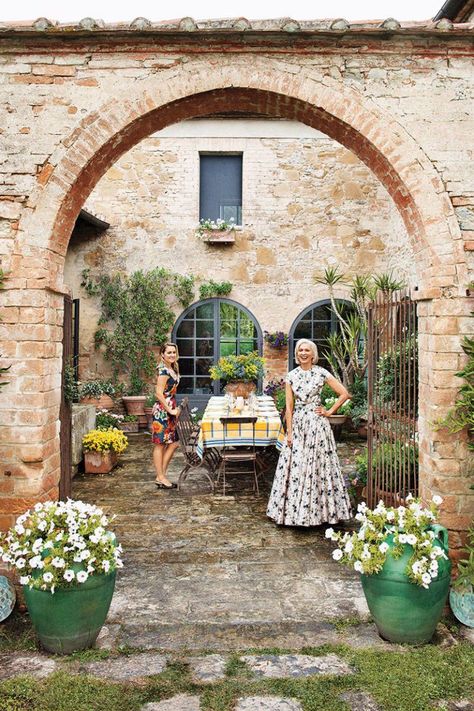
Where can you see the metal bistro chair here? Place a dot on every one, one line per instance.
(232, 456)
(188, 432)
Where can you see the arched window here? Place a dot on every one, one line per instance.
(316, 322)
(206, 331)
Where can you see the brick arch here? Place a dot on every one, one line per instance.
(341, 113)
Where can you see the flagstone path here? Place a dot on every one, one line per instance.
(207, 571)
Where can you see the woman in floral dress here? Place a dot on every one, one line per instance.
(165, 412)
(308, 488)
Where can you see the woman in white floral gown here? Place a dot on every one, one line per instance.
(308, 488)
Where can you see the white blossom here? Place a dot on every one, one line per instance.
(69, 575)
(47, 577)
(82, 576)
(337, 554)
(329, 532)
(358, 566)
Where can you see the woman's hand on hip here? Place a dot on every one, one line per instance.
(320, 410)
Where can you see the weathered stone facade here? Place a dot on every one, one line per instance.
(74, 100)
(308, 203)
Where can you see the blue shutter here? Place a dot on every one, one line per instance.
(220, 188)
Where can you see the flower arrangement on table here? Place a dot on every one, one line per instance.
(247, 367)
(105, 441)
(277, 339)
(60, 543)
(206, 226)
(366, 550)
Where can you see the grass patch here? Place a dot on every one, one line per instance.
(341, 624)
(412, 680)
(17, 634)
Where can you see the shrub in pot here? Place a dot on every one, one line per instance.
(402, 556)
(67, 559)
(98, 393)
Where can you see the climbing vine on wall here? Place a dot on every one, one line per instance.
(209, 289)
(136, 315)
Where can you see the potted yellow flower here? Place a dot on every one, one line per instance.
(101, 450)
(240, 372)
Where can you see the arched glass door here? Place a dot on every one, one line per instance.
(316, 322)
(203, 333)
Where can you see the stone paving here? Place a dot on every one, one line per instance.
(212, 572)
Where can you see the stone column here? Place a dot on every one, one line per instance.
(31, 337)
(446, 464)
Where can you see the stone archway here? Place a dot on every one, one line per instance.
(195, 89)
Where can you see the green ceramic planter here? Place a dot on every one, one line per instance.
(72, 618)
(404, 612)
(462, 605)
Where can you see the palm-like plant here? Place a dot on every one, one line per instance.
(348, 345)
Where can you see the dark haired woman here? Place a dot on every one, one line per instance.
(164, 433)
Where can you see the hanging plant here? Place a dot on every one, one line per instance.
(277, 339)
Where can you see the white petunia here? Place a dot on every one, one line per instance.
(20, 563)
(426, 578)
(358, 566)
(47, 577)
(58, 562)
(69, 575)
(82, 576)
(35, 562)
(402, 538)
(412, 539)
(383, 547)
(329, 532)
(25, 579)
(106, 565)
(337, 554)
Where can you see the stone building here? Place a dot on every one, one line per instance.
(362, 154)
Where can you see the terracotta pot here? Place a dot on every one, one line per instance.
(104, 402)
(129, 426)
(240, 388)
(362, 430)
(134, 404)
(100, 462)
(219, 236)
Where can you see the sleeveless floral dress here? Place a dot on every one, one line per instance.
(308, 488)
(164, 425)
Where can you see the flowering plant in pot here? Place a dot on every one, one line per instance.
(104, 420)
(277, 339)
(239, 372)
(216, 230)
(401, 554)
(101, 449)
(67, 559)
(97, 392)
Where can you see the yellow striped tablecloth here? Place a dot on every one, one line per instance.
(268, 428)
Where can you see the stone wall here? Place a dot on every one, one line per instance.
(308, 203)
(74, 100)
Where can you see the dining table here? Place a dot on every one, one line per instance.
(268, 426)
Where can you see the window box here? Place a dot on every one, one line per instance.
(218, 236)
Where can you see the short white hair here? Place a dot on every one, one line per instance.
(311, 345)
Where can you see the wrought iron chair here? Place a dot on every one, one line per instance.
(232, 456)
(188, 432)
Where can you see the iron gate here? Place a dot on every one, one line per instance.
(392, 470)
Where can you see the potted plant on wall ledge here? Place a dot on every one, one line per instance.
(276, 339)
(216, 231)
(240, 373)
(402, 556)
(98, 393)
(67, 559)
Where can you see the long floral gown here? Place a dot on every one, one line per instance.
(308, 488)
(164, 425)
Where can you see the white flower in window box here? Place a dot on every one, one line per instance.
(219, 231)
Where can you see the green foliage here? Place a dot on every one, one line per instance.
(462, 414)
(280, 400)
(211, 288)
(97, 388)
(150, 400)
(391, 458)
(465, 579)
(393, 384)
(104, 420)
(347, 347)
(359, 410)
(71, 389)
(136, 316)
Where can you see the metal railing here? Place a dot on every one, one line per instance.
(392, 440)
